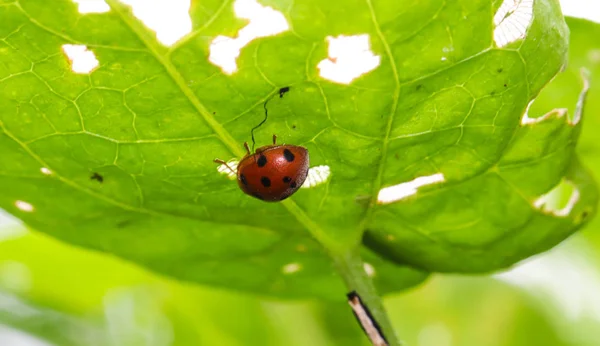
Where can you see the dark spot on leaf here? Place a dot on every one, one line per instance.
(265, 181)
(419, 87)
(214, 113)
(287, 179)
(500, 70)
(397, 156)
(262, 161)
(243, 179)
(505, 85)
(97, 177)
(123, 223)
(492, 93)
(283, 90)
(293, 185)
(294, 127)
(584, 215)
(288, 155)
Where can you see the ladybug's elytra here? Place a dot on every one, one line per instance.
(273, 172)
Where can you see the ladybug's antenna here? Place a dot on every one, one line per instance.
(282, 92)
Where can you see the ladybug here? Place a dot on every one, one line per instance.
(273, 173)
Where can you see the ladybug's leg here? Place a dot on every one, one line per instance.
(221, 162)
(247, 147)
(274, 139)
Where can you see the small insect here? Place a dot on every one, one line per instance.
(97, 177)
(273, 173)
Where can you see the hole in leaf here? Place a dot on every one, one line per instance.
(170, 19)
(82, 60)
(526, 120)
(349, 57)
(231, 173)
(397, 192)
(92, 6)
(512, 20)
(24, 206)
(264, 21)
(560, 200)
(316, 176)
(559, 112)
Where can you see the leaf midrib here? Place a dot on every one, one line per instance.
(385, 142)
(141, 31)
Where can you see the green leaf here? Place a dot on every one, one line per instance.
(150, 120)
(562, 92)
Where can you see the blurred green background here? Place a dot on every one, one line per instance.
(53, 293)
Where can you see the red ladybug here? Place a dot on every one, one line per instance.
(273, 173)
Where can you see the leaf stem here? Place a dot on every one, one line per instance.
(350, 266)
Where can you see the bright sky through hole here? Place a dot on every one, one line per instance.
(82, 60)
(264, 21)
(92, 6)
(512, 21)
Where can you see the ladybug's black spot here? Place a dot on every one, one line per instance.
(287, 179)
(243, 179)
(262, 161)
(265, 181)
(293, 185)
(288, 155)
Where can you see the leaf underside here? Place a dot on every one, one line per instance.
(151, 119)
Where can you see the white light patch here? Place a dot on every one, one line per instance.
(136, 313)
(24, 206)
(291, 268)
(15, 276)
(170, 19)
(553, 201)
(565, 281)
(82, 60)
(512, 21)
(581, 9)
(15, 337)
(264, 21)
(92, 6)
(229, 169)
(316, 176)
(435, 334)
(45, 171)
(369, 269)
(10, 226)
(397, 192)
(349, 58)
